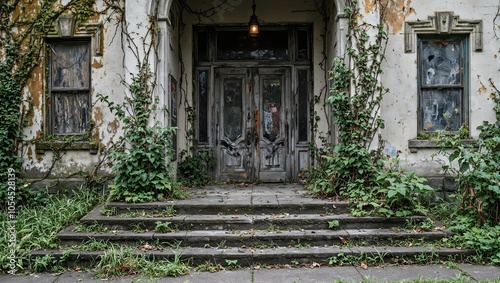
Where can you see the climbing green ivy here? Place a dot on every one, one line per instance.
(22, 31)
(354, 168)
(143, 171)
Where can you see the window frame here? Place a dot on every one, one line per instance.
(463, 86)
(53, 91)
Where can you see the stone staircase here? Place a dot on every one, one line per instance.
(250, 225)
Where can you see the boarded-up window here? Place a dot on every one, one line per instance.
(69, 82)
(442, 78)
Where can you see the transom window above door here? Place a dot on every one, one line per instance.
(234, 43)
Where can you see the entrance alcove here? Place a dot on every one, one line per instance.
(253, 98)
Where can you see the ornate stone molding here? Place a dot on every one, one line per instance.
(444, 23)
(67, 27)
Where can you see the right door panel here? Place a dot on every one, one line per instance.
(271, 101)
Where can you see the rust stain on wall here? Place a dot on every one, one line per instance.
(396, 12)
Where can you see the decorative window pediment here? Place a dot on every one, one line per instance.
(443, 23)
(66, 26)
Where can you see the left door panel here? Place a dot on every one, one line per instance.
(233, 128)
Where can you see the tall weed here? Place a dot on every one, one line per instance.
(36, 226)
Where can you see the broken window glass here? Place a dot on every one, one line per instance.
(442, 92)
(441, 110)
(441, 62)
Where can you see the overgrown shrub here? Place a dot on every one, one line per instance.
(476, 218)
(142, 172)
(195, 170)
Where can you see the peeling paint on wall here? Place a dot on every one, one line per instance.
(99, 121)
(34, 94)
(482, 89)
(98, 116)
(27, 8)
(390, 149)
(30, 153)
(97, 64)
(113, 127)
(113, 130)
(396, 12)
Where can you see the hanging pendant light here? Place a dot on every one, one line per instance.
(253, 24)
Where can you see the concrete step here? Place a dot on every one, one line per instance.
(241, 199)
(218, 206)
(280, 255)
(283, 221)
(270, 224)
(252, 238)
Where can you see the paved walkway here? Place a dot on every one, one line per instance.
(461, 272)
(281, 194)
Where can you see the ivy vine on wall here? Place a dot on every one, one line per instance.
(355, 168)
(22, 32)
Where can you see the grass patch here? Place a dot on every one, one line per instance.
(121, 261)
(36, 227)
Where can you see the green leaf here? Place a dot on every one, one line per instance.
(464, 167)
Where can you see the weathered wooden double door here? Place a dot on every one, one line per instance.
(253, 124)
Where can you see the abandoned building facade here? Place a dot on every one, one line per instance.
(255, 99)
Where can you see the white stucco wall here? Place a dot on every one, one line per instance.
(399, 109)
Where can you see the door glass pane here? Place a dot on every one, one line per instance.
(441, 109)
(441, 62)
(203, 106)
(237, 45)
(303, 105)
(233, 108)
(272, 89)
(70, 65)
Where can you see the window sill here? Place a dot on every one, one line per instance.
(41, 147)
(415, 145)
